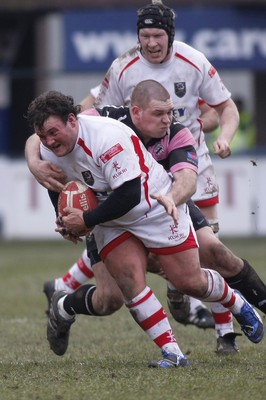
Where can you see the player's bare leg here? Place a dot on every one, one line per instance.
(183, 270)
(184, 309)
(127, 265)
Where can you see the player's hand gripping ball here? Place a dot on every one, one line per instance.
(77, 195)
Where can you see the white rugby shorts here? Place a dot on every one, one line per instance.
(207, 192)
(156, 231)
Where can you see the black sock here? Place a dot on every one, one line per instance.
(250, 285)
(80, 302)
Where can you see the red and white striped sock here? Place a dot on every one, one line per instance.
(77, 274)
(151, 317)
(219, 291)
(223, 319)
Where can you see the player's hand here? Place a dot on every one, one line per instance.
(169, 205)
(60, 228)
(48, 175)
(74, 222)
(221, 148)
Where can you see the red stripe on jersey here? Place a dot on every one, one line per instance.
(84, 269)
(187, 60)
(85, 148)
(201, 125)
(207, 202)
(154, 319)
(113, 244)
(127, 66)
(143, 167)
(189, 243)
(105, 82)
(149, 294)
(217, 105)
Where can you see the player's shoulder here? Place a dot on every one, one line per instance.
(187, 51)
(180, 131)
(95, 124)
(175, 128)
(128, 57)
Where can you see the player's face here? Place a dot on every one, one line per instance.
(57, 136)
(154, 44)
(154, 121)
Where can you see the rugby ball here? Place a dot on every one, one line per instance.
(77, 195)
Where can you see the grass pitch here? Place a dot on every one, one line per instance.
(107, 357)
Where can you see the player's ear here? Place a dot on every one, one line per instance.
(72, 120)
(135, 111)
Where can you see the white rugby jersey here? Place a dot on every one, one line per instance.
(187, 75)
(107, 153)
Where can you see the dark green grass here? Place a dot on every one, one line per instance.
(107, 357)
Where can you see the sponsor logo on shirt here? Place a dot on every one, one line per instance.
(158, 149)
(118, 170)
(192, 158)
(210, 186)
(180, 89)
(175, 234)
(212, 71)
(110, 153)
(116, 166)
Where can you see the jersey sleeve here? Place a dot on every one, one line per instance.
(212, 90)
(117, 86)
(110, 93)
(181, 150)
(117, 158)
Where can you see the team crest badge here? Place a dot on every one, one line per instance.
(158, 149)
(180, 89)
(88, 178)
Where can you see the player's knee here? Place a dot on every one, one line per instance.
(193, 284)
(218, 253)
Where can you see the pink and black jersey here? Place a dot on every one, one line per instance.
(174, 151)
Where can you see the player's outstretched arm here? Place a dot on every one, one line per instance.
(46, 173)
(184, 186)
(88, 102)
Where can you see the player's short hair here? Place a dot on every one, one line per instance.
(157, 15)
(146, 91)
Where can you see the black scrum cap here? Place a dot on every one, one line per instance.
(157, 15)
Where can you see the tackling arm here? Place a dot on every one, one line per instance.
(46, 173)
(184, 186)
